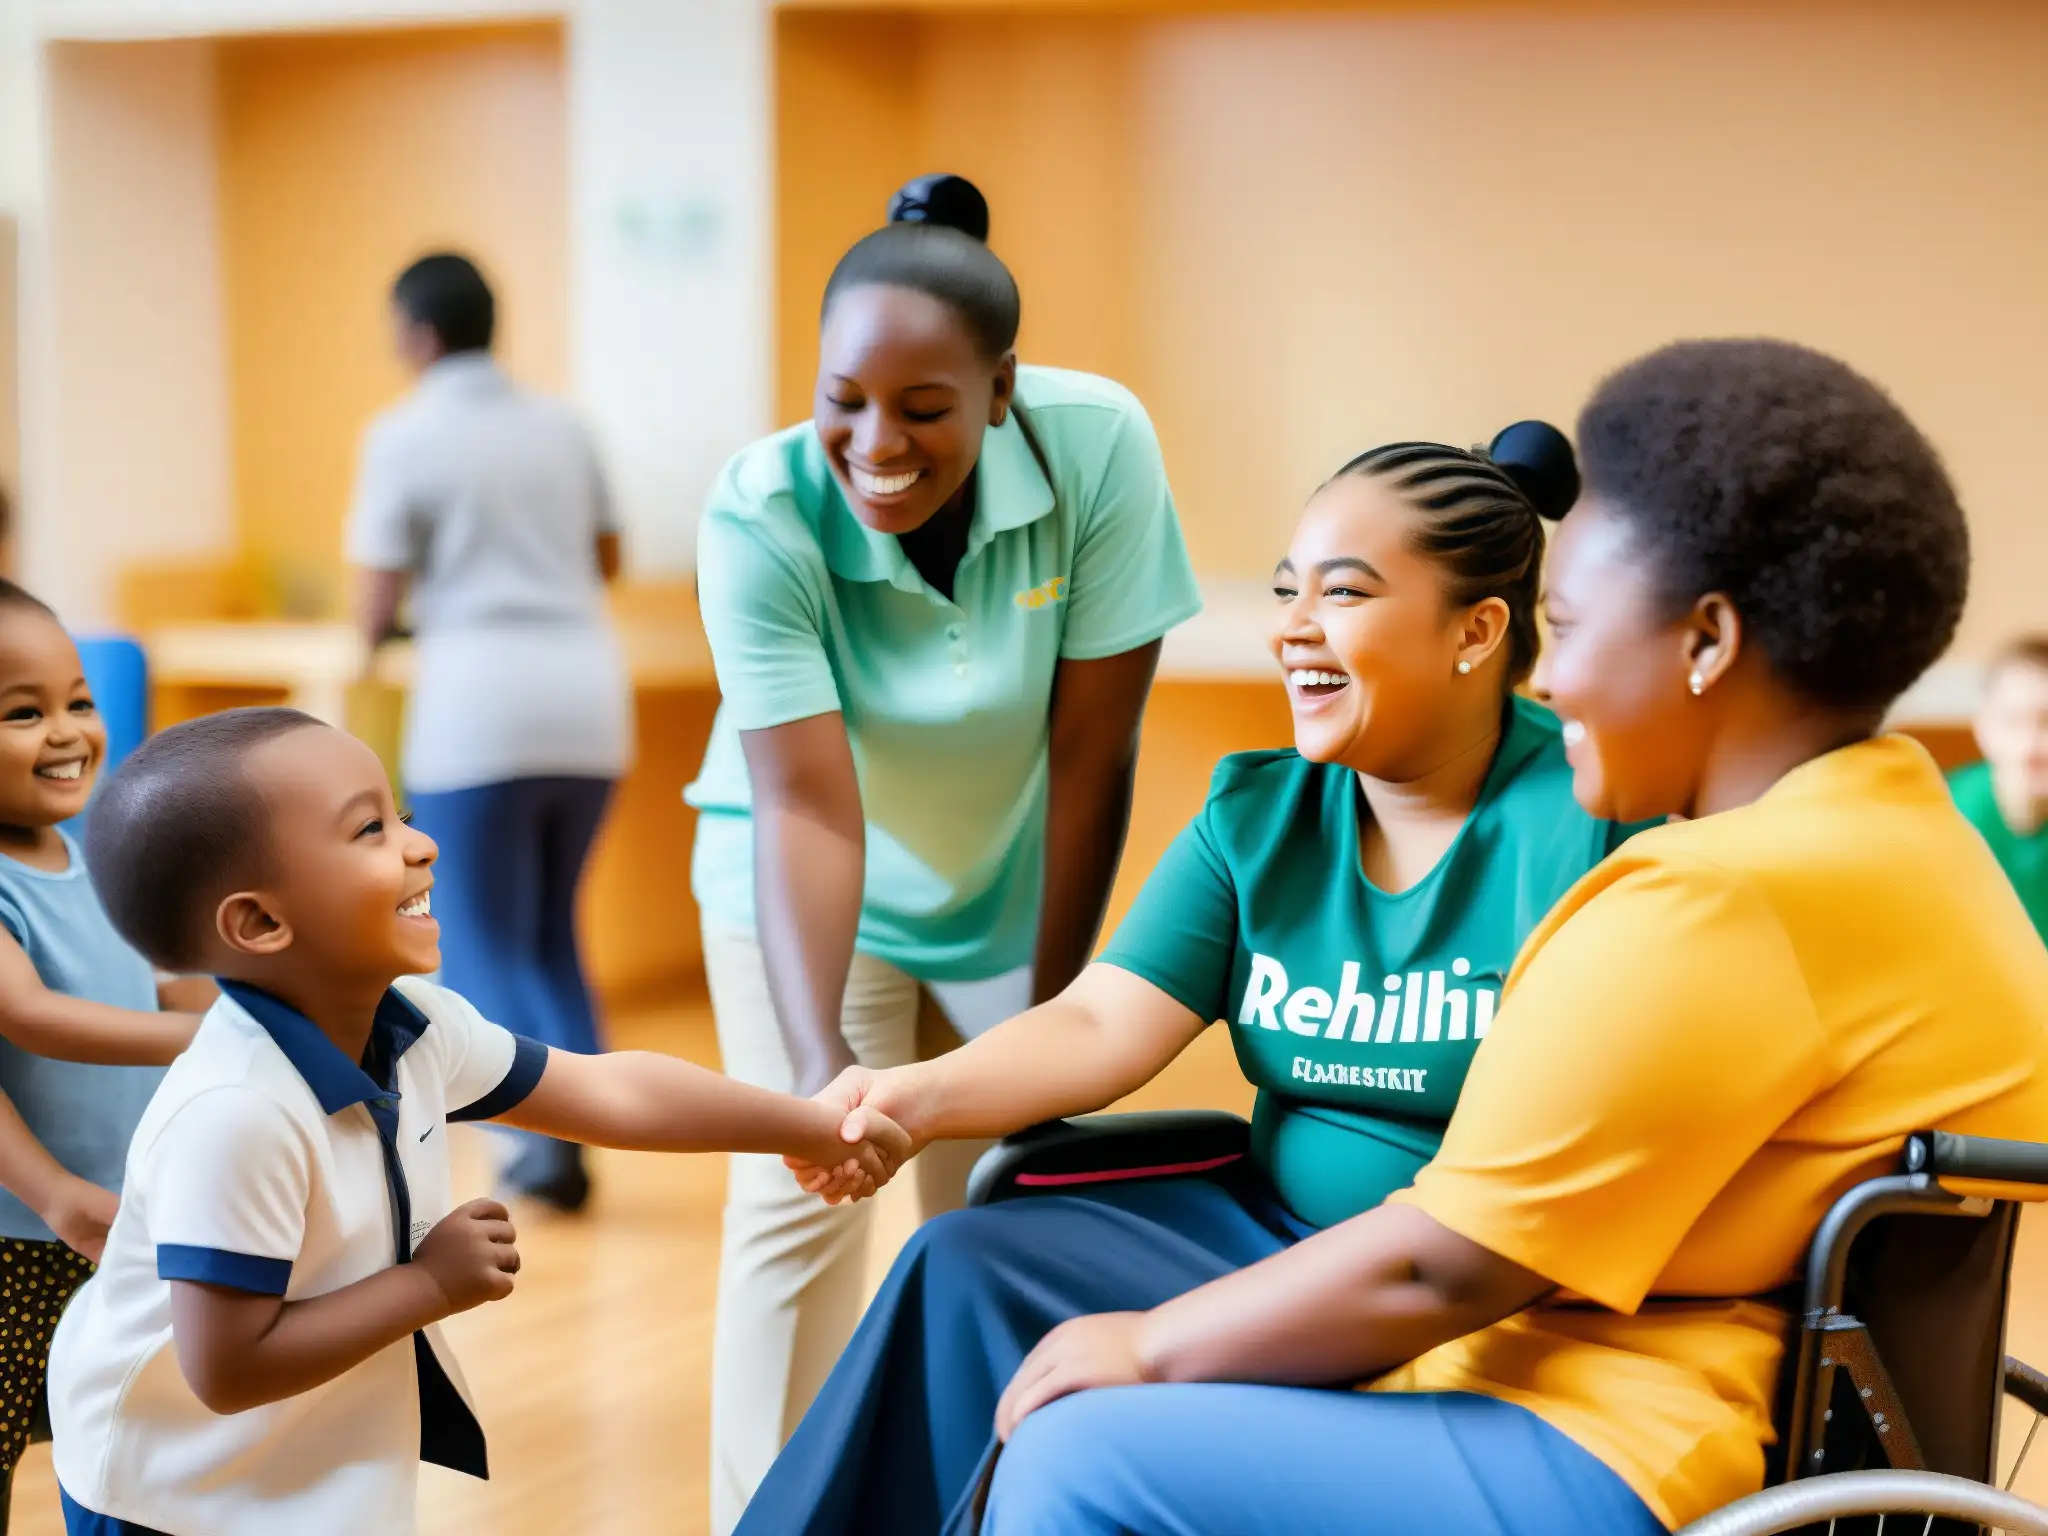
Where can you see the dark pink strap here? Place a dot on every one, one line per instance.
(1114, 1175)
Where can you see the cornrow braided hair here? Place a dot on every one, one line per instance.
(1480, 517)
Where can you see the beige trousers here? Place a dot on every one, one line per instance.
(793, 1269)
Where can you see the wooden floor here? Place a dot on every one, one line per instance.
(593, 1377)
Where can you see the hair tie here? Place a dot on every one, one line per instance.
(1539, 459)
(944, 199)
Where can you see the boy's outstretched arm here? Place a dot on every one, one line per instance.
(65, 1028)
(645, 1101)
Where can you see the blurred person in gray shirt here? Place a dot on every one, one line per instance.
(484, 504)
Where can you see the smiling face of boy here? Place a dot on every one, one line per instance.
(52, 739)
(342, 902)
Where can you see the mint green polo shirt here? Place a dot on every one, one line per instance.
(1355, 1012)
(946, 702)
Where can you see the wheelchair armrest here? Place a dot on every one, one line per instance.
(1949, 1156)
(1108, 1149)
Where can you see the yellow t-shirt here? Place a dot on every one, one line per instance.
(1711, 1037)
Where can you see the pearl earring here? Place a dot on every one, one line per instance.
(1697, 683)
(1464, 667)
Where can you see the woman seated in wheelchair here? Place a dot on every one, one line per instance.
(1712, 1035)
(1352, 908)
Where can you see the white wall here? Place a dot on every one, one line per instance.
(20, 200)
(670, 129)
(138, 433)
(20, 138)
(671, 260)
(118, 20)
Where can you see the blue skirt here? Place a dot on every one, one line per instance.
(902, 1432)
(898, 1432)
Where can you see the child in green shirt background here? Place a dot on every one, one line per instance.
(2006, 796)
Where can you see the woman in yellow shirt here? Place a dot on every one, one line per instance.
(1714, 1034)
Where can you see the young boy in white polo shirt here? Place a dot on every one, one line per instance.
(259, 1351)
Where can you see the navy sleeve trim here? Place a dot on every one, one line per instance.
(221, 1266)
(529, 1060)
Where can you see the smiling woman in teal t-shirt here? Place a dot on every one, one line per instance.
(1349, 909)
(1355, 1010)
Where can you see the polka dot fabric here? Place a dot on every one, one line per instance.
(36, 1280)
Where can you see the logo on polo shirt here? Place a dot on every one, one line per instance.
(1421, 1006)
(1044, 594)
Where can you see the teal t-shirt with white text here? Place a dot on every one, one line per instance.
(1355, 1012)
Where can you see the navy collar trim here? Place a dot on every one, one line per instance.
(336, 1081)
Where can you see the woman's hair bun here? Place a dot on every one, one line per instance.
(951, 201)
(1539, 459)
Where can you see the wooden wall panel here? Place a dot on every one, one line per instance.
(342, 158)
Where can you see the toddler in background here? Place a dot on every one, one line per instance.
(81, 1039)
(2006, 796)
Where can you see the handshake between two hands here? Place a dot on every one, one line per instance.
(872, 1146)
(1103, 1350)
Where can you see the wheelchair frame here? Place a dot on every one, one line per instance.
(1943, 1176)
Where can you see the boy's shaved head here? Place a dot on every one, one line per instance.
(179, 826)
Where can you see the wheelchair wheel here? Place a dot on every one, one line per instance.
(1905, 1503)
(2027, 1386)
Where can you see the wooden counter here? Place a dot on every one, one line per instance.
(315, 665)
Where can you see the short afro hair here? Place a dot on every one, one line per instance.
(1785, 479)
(179, 826)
